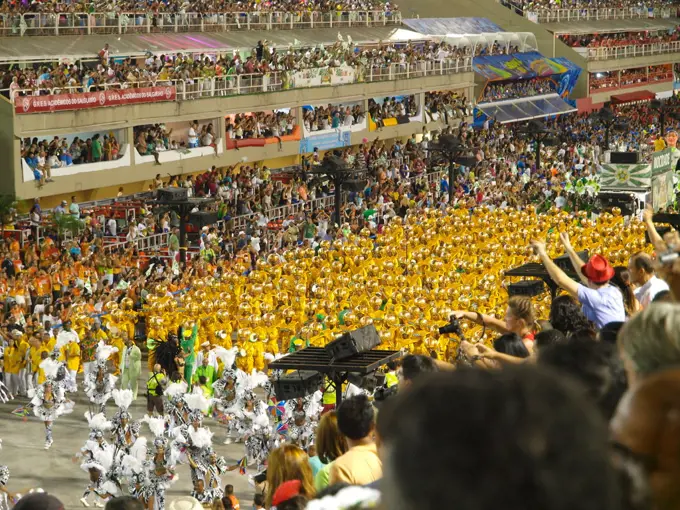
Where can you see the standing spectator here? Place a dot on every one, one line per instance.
(602, 303)
(96, 149)
(360, 465)
(641, 269)
(104, 54)
(193, 135)
(173, 244)
(112, 226)
(74, 208)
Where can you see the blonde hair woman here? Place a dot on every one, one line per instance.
(289, 462)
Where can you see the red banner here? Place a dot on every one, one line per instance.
(83, 100)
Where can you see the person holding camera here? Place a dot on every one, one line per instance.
(154, 391)
(520, 318)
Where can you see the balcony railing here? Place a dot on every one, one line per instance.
(552, 15)
(631, 51)
(234, 85)
(109, 23)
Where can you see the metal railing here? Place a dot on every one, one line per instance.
(552, 15)
(632, 51)
(234, 85)
(597, 85)
(109, 23)
(153, 242)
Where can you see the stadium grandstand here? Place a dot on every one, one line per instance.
(230, 229)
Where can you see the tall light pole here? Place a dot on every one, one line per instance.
(610, 121)
(341, 176)
(452, 149)
(541, 135)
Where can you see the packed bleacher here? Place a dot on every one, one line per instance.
(591, 363)
(518, 89)
(620, 39)
(539, 5)
(266, 58)
(320, 118)
(201, 7)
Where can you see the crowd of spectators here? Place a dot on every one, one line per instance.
(615, 39)
(194, 70)
(260, 125)
(496, 49)
(150, 140)
(202, 6)
(589, 409)
(626, 77)
(497, 91)
(320, 118)
(45, 156)
(392, 107)
(541, 5)
(447, 105)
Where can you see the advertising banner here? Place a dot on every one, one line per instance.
(330, 76)
(568, 79)
(327, 141)
(84, 100)
(517, 66)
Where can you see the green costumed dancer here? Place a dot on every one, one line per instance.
(187, 344)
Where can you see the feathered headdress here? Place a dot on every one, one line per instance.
(227, 356)
(104, 352)
(254, 379)
(122, 398)
(133, 463)
(201, 437)
(98, 421)
(197, 401)
(156, 425)
(50, 368)
(175, 390)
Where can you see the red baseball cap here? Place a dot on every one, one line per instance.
(598, 269)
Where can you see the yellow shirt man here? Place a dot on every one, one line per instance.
(72, 356)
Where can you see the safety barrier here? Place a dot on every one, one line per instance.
(632, 51)
(550, 14)
(109, 23)
(233, 85)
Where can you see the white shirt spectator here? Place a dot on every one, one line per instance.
(646, 293)
(193, 137)
(112, 226)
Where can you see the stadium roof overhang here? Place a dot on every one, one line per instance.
(517, 110)
(633, 97)
(71, 48)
